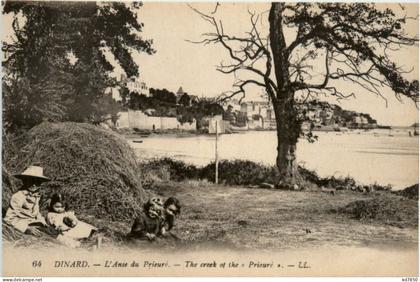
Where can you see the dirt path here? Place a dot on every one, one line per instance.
(238, 217)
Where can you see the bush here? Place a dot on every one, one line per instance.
(333, 182)
(386, 208)
(239, 172)
(169, 169)
(242, 172)
(411, 192)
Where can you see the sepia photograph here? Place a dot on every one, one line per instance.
(275, 139)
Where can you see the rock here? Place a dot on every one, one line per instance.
(266, 185)
(243, 223)
(295, 187)
(328, 190)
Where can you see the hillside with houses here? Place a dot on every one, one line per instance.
(160, 109)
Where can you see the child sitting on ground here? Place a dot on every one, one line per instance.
(147, 225)
(70, 229)
(171, 209)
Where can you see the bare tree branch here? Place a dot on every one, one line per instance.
(245, 52)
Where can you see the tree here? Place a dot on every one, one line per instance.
(164, 96)
(353, 42)
(185, 100)
(205, 107)
(60, 53)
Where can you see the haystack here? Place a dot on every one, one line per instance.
(94, 168)
(10, 184)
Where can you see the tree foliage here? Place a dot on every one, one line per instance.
(163, 95)
(163, 102)
(60, 53)
(185, 100)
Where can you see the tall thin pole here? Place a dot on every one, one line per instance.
(217, 160)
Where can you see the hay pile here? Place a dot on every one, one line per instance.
(385, 208)
(94, 168)
(15, 238)
(10, 184)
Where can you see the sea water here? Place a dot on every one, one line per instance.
(375, 156)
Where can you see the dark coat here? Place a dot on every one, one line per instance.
(144, 224)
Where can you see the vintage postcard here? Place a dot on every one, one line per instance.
(210, 139)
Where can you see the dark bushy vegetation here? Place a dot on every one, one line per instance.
(242, 172)
(44, 82)
(385, 207)
(411, 192)
(239, 172)
(176, 170)
(235, 172)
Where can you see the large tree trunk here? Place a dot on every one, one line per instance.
(287, 137)
(286, 117)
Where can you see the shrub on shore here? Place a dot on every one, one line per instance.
(242, 172)
(235, 172)
(169, 169)
(411, 192)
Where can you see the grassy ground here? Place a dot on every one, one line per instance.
(239, 217)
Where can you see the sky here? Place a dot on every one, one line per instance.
(178, 62)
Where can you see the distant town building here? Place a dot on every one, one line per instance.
(357, 119)
(363, 120)
(234, 103)
(179, 94)
(194, 98)
(142, 121)
(257, 114)
(138, 87)
(133, 84)
(326, 116)
(230, 115)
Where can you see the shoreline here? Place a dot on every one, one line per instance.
(198, 151)
(129, 132)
